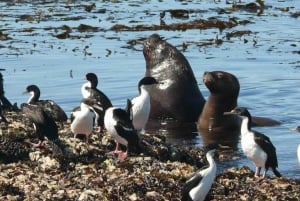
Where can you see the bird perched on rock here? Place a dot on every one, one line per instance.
(82, 120)
(256, 146)
(119, 125)
(197, 187)
(49, 106)
(44, 126)
(89, 90)
(141, 104)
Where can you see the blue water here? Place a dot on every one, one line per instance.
(269, 72)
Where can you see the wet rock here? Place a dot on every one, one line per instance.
(84, 27)
(195, 24)
(295, 15)
(179, 13)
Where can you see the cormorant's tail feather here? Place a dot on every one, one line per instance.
(276, 172)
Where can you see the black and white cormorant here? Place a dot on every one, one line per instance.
(256, 146)
(48, 106)
(141, 104)
(197, 187)
(89, 90)
(82, 120)
(119, 125)
(44, 125)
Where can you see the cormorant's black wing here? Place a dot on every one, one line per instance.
(33, 112)
(125, 129)
(45, 124)
(101, 97)
(189, 185)
(265, 143)
(122, 118)
(57, 113)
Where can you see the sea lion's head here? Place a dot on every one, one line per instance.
(176, 95)
(222, 83)
(156, 50)
(153, 48)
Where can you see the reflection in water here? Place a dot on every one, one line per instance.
(187, 134)
(176, 132)
(224, 138)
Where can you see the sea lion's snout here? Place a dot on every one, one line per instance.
(207, 77)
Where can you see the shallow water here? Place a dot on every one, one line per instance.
(268, 71)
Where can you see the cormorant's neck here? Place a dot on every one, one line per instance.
(143, 90)
(210, 159)
(94, 84)
(34, 97)
(245, 127)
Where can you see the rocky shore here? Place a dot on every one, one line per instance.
(86, 172)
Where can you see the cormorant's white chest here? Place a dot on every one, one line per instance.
(31, 97)
(141, 109)
(84, 91)
(250, 148)
(83, 121)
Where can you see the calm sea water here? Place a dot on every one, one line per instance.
(269, 72)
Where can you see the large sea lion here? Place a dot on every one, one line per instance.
(177, 95)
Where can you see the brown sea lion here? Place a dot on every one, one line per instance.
(215, 117)
(177, 95)
(224, 90)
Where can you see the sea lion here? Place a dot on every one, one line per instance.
(216, 118)
(215, 126)
(177, 95)
(224, 90)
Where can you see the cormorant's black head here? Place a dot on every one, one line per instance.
(147, 81)
(92, 77)
(242, 112)
(32, 88)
